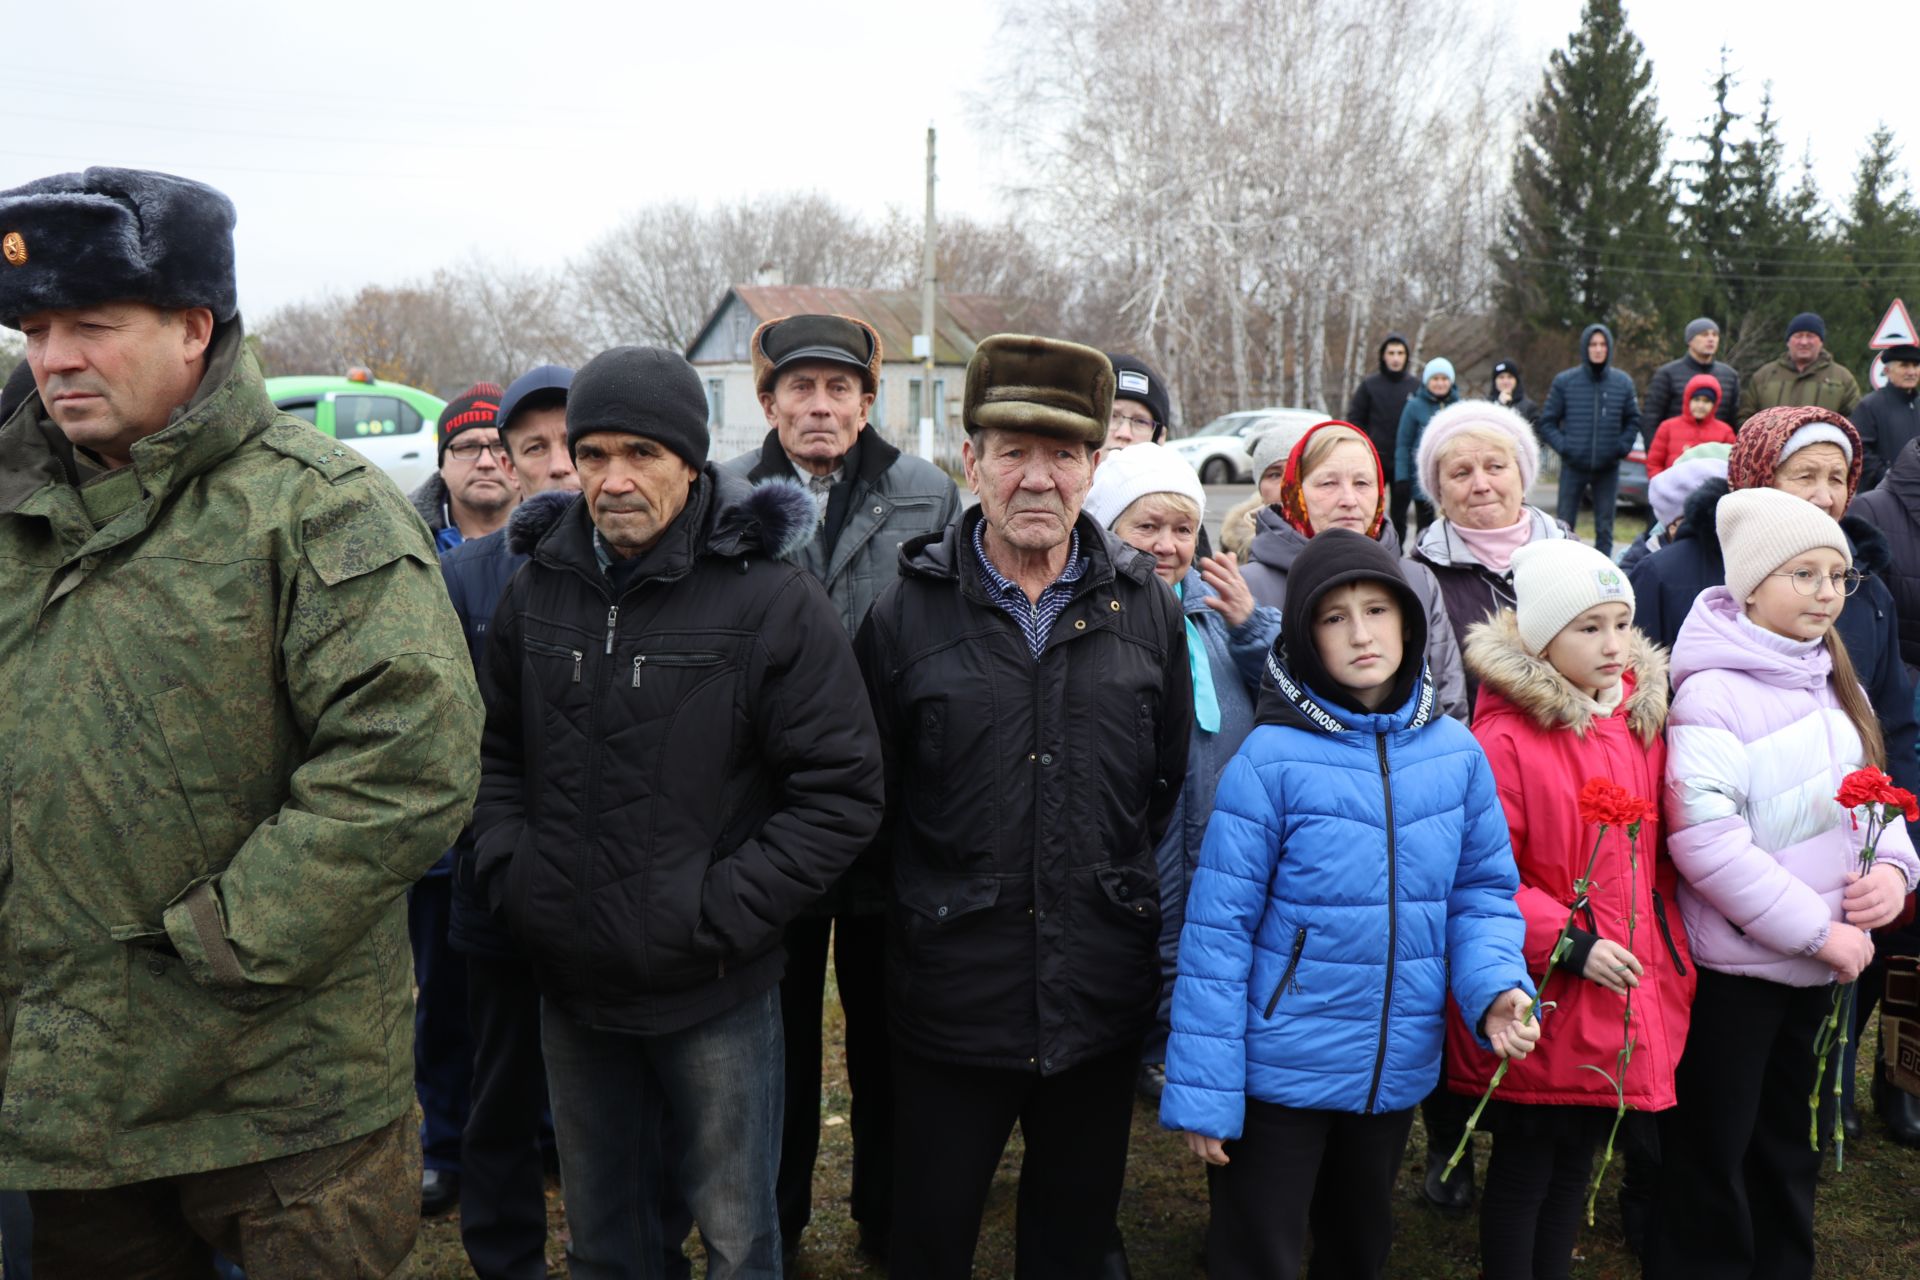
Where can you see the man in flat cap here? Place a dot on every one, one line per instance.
(678, 760)
(1029, 676)
(816, 376)
(240, 722)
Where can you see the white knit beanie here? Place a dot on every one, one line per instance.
(1277, 444)
(1480, 417)
(1762, 529)
(1134, 472)
(1557, 580)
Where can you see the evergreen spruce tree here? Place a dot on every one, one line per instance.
(1778, 252)
(1591, 231)
(1879, 249)
(1711, 215)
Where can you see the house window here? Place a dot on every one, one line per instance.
(716, 402)
(878, 416)
(913, 402)
(940, 402)
(741, 334)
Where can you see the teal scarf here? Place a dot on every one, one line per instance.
(1206, 706)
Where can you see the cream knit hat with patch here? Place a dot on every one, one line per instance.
(1556, 581)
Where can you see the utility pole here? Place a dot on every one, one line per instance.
(923, 341)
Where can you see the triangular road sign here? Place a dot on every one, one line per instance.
(1895, 328)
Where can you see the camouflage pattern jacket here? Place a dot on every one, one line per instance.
(239, 721)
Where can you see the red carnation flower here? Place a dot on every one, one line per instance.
(1605, 803)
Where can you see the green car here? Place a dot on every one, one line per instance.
(390, 424)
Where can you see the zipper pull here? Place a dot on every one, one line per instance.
(578, 658)
(639, 660)
(613, 616)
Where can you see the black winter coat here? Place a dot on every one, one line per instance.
(1667, 582)
(476, 574)
(1887, 420)
(669, 776)
(1024, 802)
(1669, 382)
(1377, 401)
(1894, 510)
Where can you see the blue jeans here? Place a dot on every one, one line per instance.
(723, 1082)
(1605, 483)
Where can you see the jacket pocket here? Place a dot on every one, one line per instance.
(563, 653)
(191, 1052)
(1293, 963)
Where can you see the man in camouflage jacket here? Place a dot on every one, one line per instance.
(239, 722)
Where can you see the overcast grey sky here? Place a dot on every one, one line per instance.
(368, 142)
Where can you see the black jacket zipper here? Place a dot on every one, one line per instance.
(1666, 933)
(1293, 962)
(1393, 927)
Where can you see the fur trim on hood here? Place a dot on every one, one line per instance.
(1495, 655)
(774, 518)
(1237, 527)
(429, 498)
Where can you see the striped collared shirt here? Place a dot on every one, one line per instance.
(1036, 619)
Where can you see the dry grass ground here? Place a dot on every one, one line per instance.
(1868, 1218)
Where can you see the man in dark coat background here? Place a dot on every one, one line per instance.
(816, 376)
(1591, 419)
(1375, 408)
(1666, 389)
(1889, 418)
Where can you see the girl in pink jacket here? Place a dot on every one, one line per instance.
(1767, 718)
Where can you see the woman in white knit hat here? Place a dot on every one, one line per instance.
(1768, 717)
(1570, 691)
(1150, 498)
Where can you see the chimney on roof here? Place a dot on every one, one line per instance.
(769, 274)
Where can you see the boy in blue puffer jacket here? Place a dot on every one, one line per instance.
(1357, 853)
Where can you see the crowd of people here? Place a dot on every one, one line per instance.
(626, 743)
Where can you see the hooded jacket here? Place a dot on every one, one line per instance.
(1823, 383)
(1757, 746)
(1356, 867)
(1376, 403)
(1544, 740)
(1893, 510)
(1668, 390)
(1680, 432)
(1592, 417)
(1419, 411)
(1667, 583)
(1276, 544)
(1887, 420)
(672, 770)
(239, 724)
(1024, 802)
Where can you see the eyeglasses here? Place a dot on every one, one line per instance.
(470, 450)
(1138, 424)
(1807, 581)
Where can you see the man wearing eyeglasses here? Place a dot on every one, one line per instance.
(1141, 406)
(472, 493)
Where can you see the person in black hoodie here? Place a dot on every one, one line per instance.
(1507, 390)
(678, 759)
(1377, 401)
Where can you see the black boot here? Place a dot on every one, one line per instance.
(1898, 1109)
(1454, 1194)
(439, 1192)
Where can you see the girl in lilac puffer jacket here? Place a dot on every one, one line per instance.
(1768, 717)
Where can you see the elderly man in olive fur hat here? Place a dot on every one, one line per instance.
(240, 723)
(817, 375)
(1029, 676)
